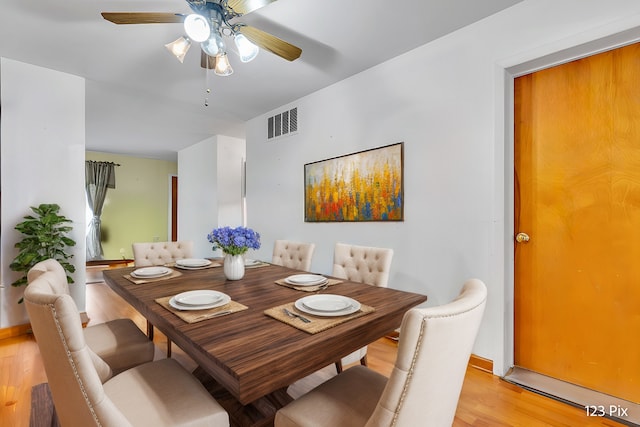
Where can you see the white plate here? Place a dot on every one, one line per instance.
(251, 262)
(200, 297)
(224, 300)
(150, 272)
(193, 262)
(305, 279)
(319, 282)
(327, 305)
(183, 267)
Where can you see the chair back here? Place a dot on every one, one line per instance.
(160, 253)
(362, 264)
(59, 285)
(293, 254)
(75, 373)
(433, 353)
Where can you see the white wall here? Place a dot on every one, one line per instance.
(197, 194)
(42, 153)
(447, 101)
(209, 189)
(231, 155)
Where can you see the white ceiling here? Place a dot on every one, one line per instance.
(141, 101)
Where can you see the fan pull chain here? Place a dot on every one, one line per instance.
(207, 87)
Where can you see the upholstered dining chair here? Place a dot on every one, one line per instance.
(86, 393)
(293, 254)
(148, 254)
(362, 264)
(425, 384)
(120, 343)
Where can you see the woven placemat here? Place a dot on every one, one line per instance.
(193, 316)
(138, 281)
(317, 324)
(332, 282)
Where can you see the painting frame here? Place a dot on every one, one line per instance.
(365, 186)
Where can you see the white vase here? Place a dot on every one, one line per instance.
(233, 266)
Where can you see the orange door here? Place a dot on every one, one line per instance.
(577, 168)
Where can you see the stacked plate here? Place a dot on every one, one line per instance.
(150, 272)
(251, 262)
(306, 280)
(328, 305)
(192, 263)
(199, 300)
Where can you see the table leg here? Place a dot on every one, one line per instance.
(260, 413)
(150, 330)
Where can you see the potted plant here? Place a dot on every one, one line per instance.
(45, 237)
(234, 242)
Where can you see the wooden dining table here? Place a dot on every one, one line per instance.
(249, 355)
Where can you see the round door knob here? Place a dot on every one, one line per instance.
(522, 237)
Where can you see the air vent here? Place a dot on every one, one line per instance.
(282, 124)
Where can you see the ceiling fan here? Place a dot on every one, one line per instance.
(208, 23)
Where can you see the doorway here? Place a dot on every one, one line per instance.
(577, 217)
(173, 208)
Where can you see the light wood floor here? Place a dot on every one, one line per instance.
(486, 400)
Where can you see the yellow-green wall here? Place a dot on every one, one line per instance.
(137, 210)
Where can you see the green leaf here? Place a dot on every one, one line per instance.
(67, 241)
(44, 237)
(20, 282)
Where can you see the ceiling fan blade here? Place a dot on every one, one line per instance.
(143, 17)
(270, 42)
(243, 7)
(206, 61)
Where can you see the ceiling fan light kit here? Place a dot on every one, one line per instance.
(223, 67)
(246, 50)
(197, 27)
(214, 45)
(179, 47)
(207, 25)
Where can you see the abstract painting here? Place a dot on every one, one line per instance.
(363, 186)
